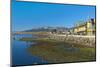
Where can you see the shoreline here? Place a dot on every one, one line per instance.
(55, 51)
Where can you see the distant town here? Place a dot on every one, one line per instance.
(80, 28)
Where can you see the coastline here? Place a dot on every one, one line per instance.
(55, 51)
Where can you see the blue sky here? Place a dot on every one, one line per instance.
(28, 15)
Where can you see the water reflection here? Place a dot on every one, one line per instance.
(20, 54)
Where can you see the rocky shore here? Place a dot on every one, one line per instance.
(80, 40)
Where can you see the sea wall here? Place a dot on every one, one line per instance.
(77, 39)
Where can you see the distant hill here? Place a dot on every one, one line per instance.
(48, 29)
(37, 30)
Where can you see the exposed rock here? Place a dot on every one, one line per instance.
(88, 41)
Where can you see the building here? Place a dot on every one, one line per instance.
(59, 30)
(80, 29)
(91, 27)
(87, 28)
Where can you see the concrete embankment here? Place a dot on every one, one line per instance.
(76, 39)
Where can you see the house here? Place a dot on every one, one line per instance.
(87, 28)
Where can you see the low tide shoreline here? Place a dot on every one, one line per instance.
(55, 51)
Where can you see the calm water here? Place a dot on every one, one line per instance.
(20, 54)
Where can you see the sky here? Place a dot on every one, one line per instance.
(29, 15)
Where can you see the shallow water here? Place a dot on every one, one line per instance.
(20, 54)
